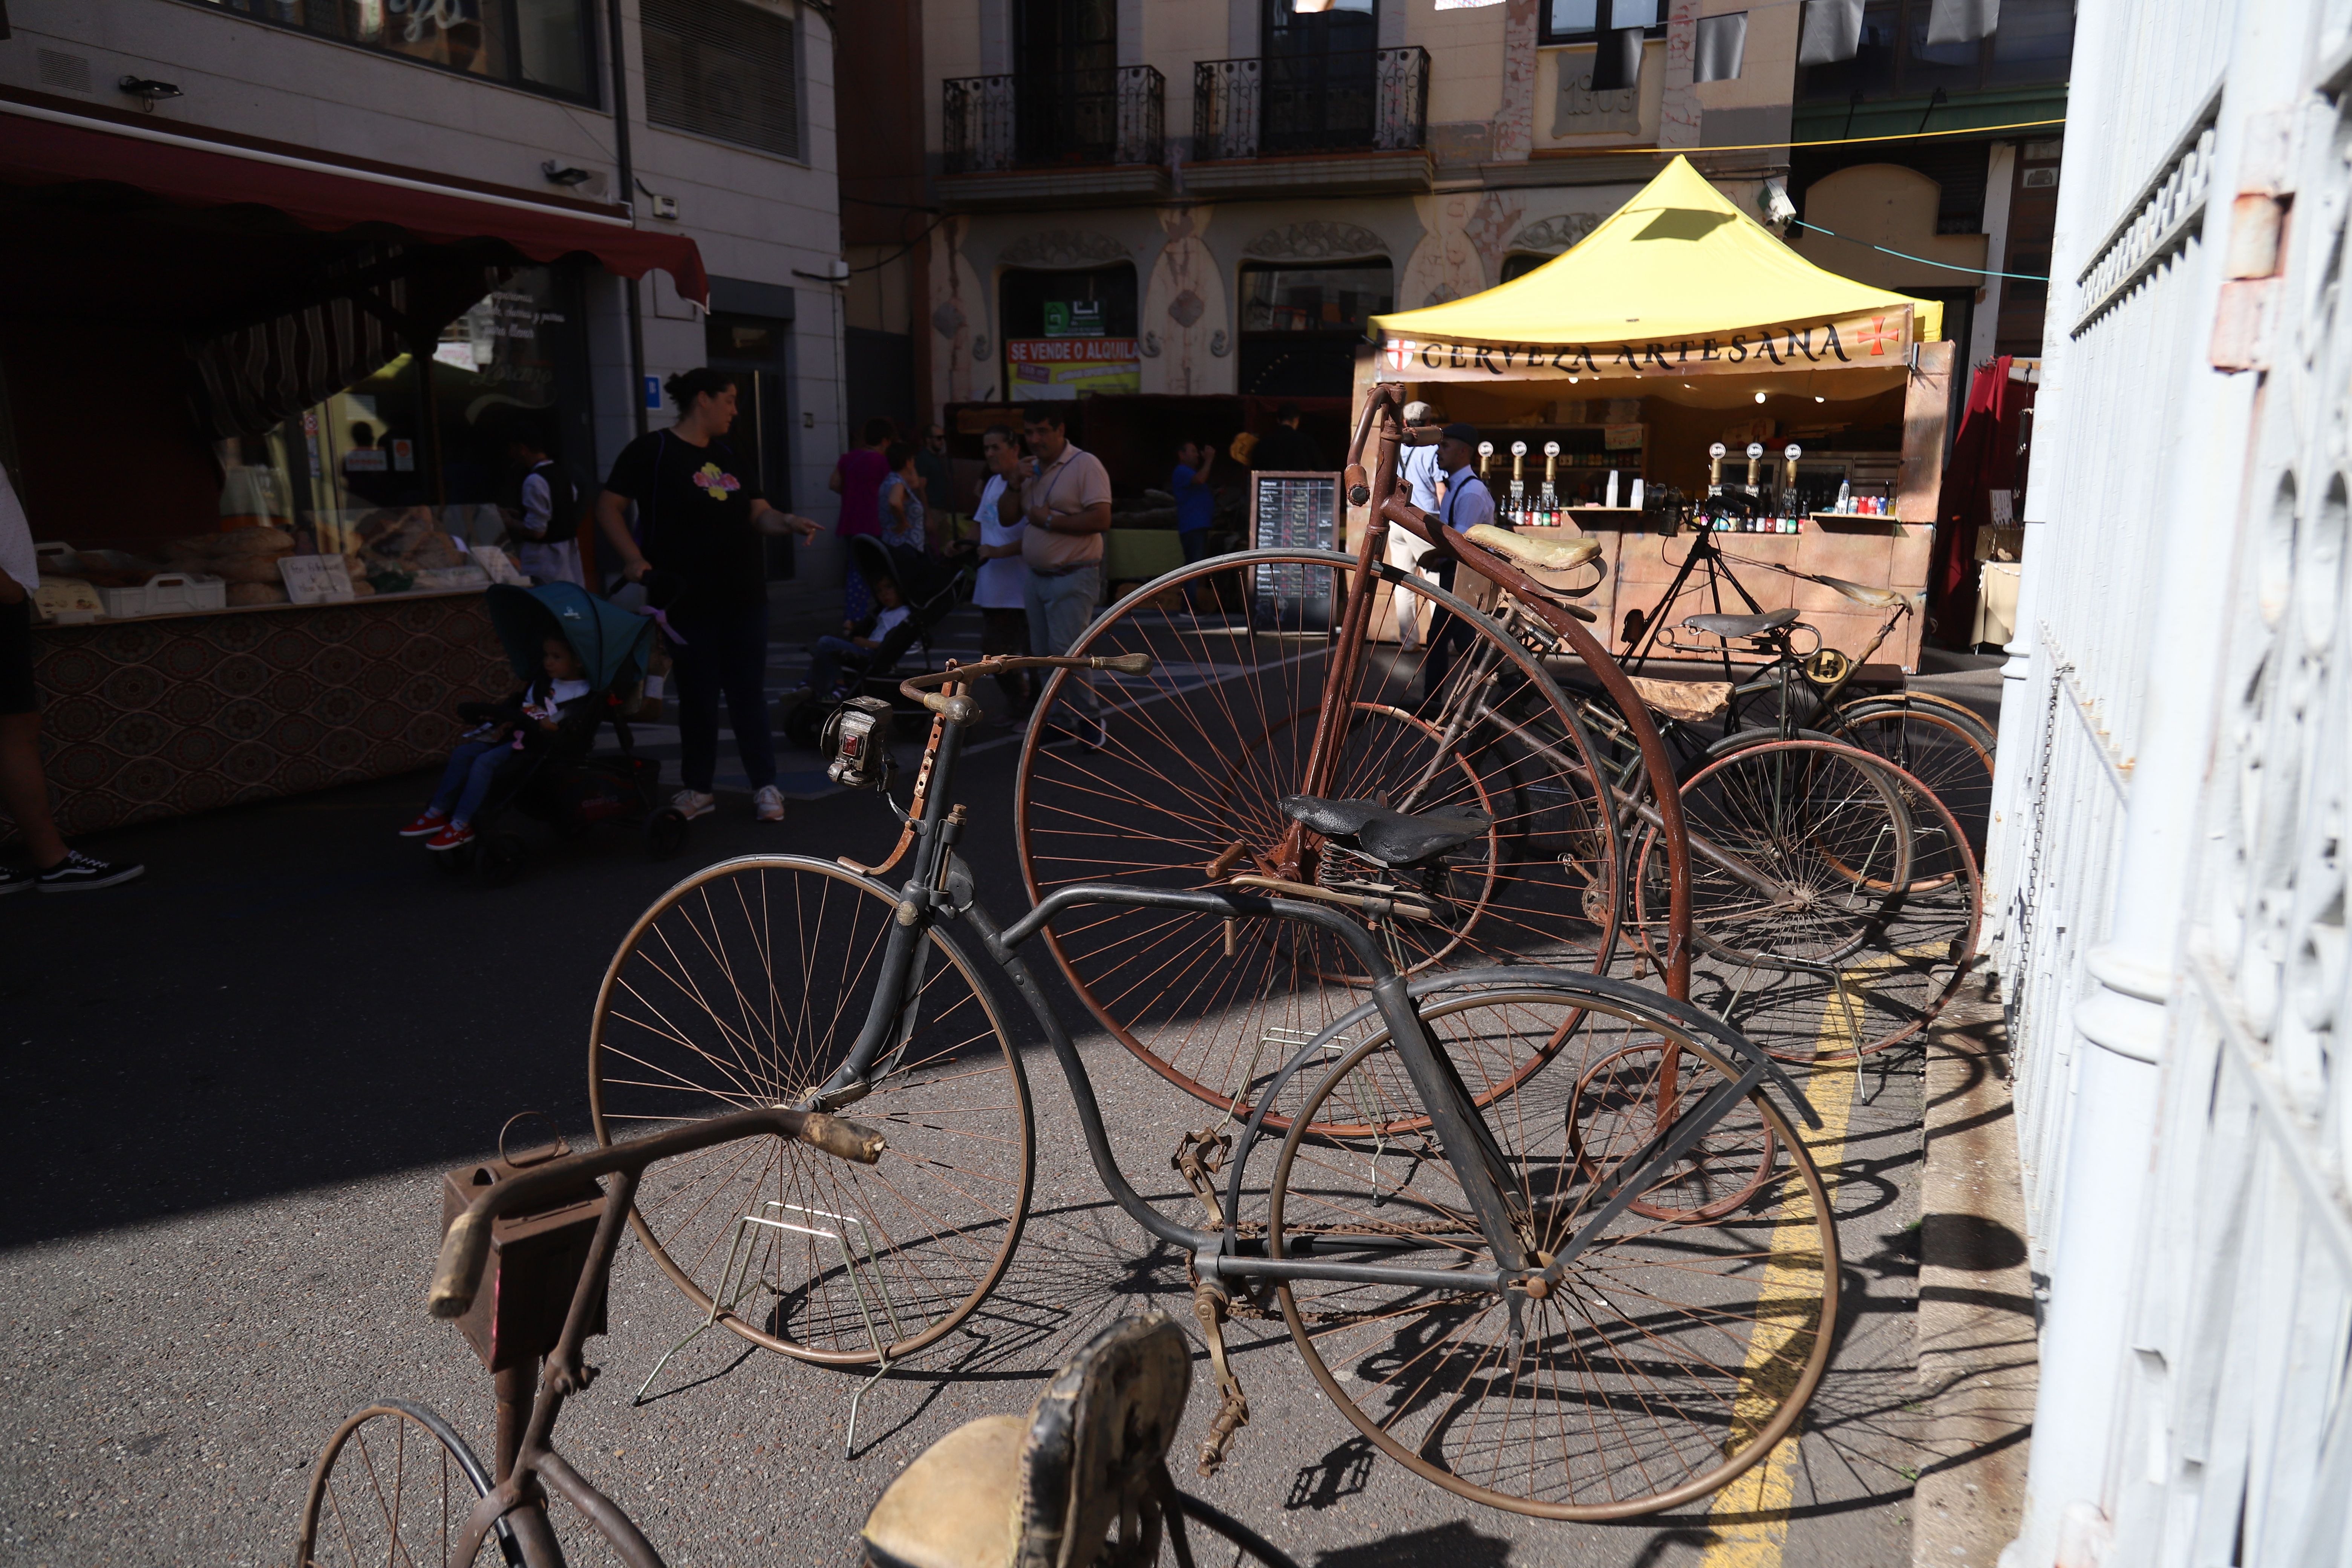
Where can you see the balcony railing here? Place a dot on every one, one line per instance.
(1033, 119)
(1351, 101)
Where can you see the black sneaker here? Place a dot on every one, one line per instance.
(77, 873)
(12, 881)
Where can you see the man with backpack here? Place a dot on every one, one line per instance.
(546, 524)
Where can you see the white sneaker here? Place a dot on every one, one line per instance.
(693, 803)
(768, 803)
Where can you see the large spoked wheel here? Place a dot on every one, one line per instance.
(747, 984)
(1193, 758)
(1942, 744)
(1833, 898)
(1680, 1345)
(394, 1484)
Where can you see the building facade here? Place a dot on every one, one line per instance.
(1220, 195)
(220, 157)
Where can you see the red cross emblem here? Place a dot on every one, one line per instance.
(1397, 352)
(1878, 336)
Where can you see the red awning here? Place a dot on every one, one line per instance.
(37, 147)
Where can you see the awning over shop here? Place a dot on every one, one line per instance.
(43, 147)
(1676, 281)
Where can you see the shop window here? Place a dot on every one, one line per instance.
(344, 473)
(727, 69)
(540, 46)
(1070, 334)
(1300, 325)
(1579, 21)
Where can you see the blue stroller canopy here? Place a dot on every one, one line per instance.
(612, 643)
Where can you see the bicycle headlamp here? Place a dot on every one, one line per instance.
(859, 736)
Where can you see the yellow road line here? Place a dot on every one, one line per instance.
(1749, 1518)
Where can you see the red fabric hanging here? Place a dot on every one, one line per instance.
(1984, 459)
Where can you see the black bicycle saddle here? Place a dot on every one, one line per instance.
(1395, 838)
(1741, 626)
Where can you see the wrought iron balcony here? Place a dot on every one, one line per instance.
(1040, 120)
(1359, 100)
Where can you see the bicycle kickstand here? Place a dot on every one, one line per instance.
(1209, 1305)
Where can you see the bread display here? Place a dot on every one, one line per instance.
(246, 595)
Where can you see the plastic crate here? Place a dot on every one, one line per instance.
(165, 594)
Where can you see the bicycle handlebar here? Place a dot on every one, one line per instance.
(457, 1273)
(964, 711)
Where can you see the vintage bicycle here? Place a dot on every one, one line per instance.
(1175, 777)
(1590, 1289)
(395, 1483)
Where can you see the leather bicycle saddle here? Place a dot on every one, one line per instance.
(1044, 1490)
(1396, 839)
(1741, 626)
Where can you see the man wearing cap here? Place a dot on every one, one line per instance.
(1467, 504)
(1424, 483)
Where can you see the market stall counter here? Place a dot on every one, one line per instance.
(1611, 385)
(150, 715)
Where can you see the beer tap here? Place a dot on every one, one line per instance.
(1715, 468)
(1485, 455)
(1519, 483)
(1794, 508)
(1550, 508)
(1755, 461)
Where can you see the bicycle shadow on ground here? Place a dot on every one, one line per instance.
(1459, 1544)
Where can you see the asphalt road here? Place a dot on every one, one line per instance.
(233, 1087)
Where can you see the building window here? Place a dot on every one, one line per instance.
(1577, 21)
(727, 69)
(2032, 47)
(540, 45)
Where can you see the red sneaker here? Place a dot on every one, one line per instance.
(427, 826)
(456, 836)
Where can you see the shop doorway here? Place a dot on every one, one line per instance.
(1300, 325)
(753, 350)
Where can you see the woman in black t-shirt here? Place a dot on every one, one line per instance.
(696, 547)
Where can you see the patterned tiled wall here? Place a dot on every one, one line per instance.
(153, 719)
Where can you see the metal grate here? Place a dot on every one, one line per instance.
(723, 68)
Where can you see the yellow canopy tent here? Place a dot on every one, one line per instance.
(1676, 281)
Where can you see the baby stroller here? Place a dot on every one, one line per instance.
(931, 588)
(560, 782)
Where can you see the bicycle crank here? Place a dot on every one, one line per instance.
(1209, 1305)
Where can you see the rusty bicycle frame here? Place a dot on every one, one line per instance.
(528, 1467)
(1377, 487)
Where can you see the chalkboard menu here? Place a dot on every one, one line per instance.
(1293, 511)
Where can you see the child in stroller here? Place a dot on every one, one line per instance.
(830, 655)
(531, 718)
(532, 753)
(915, 591)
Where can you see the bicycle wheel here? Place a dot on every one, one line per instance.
(394, 1485)
(746, 984)
(1197, 754)
(1680, 1345)
(1832, 898)
(1944, 746)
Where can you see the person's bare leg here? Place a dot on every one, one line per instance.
(25, 789)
